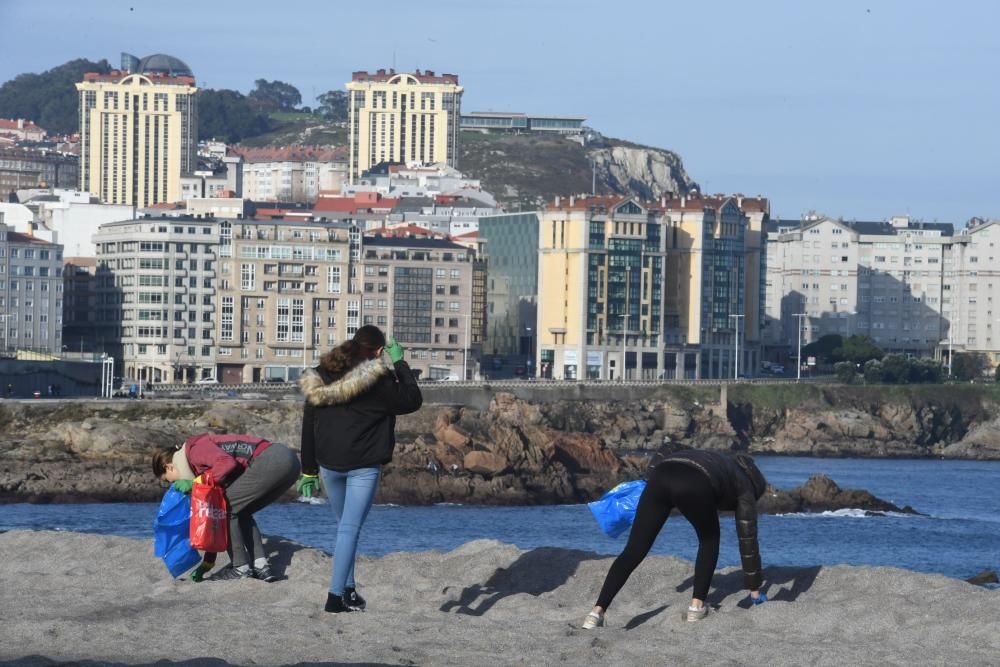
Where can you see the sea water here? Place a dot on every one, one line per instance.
(958, 536)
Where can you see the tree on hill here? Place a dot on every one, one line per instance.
(275, 95)
(50, 99)
(333, 105)
(229, 116)
(824, 348)
(858, 349)
(968, 365)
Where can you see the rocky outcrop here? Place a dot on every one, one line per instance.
(821, 494)
(648, 173)
(535, 444)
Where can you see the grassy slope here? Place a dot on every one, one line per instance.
(522, 171)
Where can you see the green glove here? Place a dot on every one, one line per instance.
(394, 350)
(199, 572)
(183, 485)
(307, 485)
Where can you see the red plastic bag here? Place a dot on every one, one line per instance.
(209, 524)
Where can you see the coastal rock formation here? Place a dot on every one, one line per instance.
(646, 172)
(821, 494)
(533, 444)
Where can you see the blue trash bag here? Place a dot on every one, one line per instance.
(615, 510)
(171, 533)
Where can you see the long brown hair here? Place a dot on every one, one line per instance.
(364, 346)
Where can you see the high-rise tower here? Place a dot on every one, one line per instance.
(403, 118)
(138, 131)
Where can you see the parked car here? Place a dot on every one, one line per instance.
(207, 381)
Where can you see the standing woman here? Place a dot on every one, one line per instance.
(699, 484)
(348, 433)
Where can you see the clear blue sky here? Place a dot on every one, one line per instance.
(855, 109)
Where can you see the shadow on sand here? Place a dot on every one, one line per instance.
(791, 582)
(536, 572)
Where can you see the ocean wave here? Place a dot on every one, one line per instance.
(310, 501)
(849, 514)
(449, 505)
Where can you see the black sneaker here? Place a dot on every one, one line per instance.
(354, 601)
(335, 604)
(264, 574)
(229, 572)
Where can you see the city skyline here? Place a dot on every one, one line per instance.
(854, 110)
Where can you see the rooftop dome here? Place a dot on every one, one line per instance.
(160, 63)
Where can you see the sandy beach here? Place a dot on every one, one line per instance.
(71, 597)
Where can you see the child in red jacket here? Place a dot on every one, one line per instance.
(254, 473)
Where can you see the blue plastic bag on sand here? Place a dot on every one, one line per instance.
(171, 533)
(615, 510)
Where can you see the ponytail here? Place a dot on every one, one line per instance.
(367, 341)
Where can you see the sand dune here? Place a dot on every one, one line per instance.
(80, 597)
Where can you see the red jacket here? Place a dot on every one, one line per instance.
(226, 456)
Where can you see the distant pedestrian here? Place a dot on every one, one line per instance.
(51, 391)
(10, 390)
(699, 484)
(348, 434)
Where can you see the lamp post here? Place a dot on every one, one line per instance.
(798, 359)
(951, 337)
(736, 341)
(465, 355)
(531, 352)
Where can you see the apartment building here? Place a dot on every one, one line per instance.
(19, 129)
(31, 292)
(648, 290)
(510, 243)
(291, 174)
(138, 131)
(79, 302)
(970, 291)
(421, 291)
(156, 297)
(22, 168)
(887, 280)
(713, 284)
(287, 295)
(402, 117)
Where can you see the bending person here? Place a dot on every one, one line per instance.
(348, 433)
(699, 484)
(254, 473)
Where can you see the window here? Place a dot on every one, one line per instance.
(247, 276)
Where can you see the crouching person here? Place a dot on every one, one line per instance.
(254, 472)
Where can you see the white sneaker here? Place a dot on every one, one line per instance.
(695, 613)
(593, 620)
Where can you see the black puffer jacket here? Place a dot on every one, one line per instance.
(738, 484)
(349, 422)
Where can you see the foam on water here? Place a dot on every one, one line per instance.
(849, 513)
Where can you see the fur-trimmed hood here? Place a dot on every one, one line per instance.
(344, 389)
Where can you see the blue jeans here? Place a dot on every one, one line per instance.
(350, 495)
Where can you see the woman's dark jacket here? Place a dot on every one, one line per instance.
(738, 484)
(349, 421)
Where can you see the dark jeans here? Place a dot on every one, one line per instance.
(267, 478)
(669, 486)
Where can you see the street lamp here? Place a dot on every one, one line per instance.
(531, 352)
(951, 337)
(737, 329)
(798, 360)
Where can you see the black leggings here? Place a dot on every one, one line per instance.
(669, 486)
